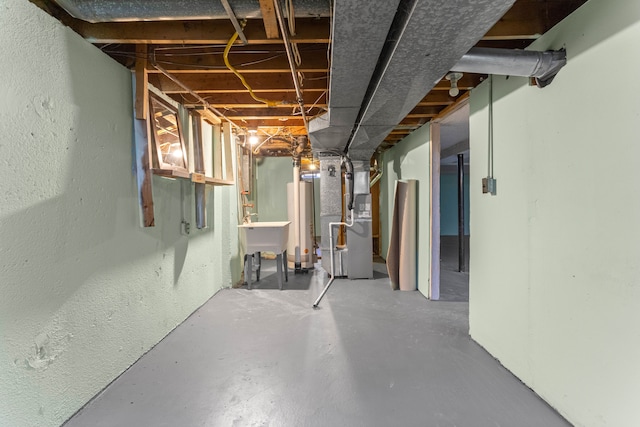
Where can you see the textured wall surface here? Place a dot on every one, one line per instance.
(272, 175)
(84, 291)
(409, 160)
(555, 290)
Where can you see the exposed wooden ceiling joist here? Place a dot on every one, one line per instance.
(313, 59)
(208, 83)
(175, 46)
(244, 100)
(309, 30)
(269, 19)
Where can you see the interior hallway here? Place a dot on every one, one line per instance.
(368, 357)
(454, 284)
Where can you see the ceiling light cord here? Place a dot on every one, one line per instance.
(225, 56)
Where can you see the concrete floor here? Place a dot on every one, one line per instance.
(454, 285)
(368, 357)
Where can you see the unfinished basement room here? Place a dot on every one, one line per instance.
(319, 213)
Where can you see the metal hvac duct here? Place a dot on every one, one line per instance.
(426, 40)
(543, 66)
(155, 10)
(359, 34)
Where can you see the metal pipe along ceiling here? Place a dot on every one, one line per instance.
(386, 57)
(359, 34)
(543, 66)
(428, 38)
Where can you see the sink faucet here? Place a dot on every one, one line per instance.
(247, 217)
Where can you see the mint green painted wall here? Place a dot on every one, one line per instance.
(272, 176)
(84, 290)
(555, 294)
(409, 159)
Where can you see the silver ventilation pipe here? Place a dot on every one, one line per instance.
(543, 66)
(414, 59)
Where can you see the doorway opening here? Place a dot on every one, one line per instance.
(453, 200)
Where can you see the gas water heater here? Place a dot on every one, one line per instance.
(307, 252)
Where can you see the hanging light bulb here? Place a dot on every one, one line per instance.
(453, 78)
(253, 137)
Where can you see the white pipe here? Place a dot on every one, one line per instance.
(296, 211)
(331, 254)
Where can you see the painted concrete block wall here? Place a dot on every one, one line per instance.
(84, 291)
(409, 159)
(554, 282)
(449, 204)
(272, 176)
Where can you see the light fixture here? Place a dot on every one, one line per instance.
(253, 137)
(453, 78)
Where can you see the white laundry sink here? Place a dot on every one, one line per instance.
(265, 236)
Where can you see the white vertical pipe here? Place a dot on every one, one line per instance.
(296, 210)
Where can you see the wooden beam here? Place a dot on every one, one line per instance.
(237, 107)
(265, 122)
(207, 115)
(142, 87)
(310, 30)
(528, 19)
(438, 97)
(205, 93)
(269, 19)
(420, 116)
(429, 111)
(226, 151)
(59, 13)
(281, 118)
(223, 83)
(143, 160)
(244, 100)
(267, 112)
(211, 61)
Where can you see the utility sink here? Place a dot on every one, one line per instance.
(265, 236)
(259, 237)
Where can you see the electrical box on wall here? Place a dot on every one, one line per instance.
(489, 185)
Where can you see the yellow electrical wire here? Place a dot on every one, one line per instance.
(232, 40)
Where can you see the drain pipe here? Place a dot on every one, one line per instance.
(543, 66)
(332, 255)
(348, 176)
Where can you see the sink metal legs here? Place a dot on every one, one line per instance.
(281, 262)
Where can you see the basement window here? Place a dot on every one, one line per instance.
(167, 136)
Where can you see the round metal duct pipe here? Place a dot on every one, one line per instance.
(543, 66)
